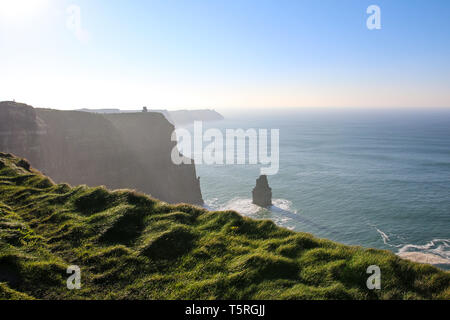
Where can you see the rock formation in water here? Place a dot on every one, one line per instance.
(262, 193)
(130, 150)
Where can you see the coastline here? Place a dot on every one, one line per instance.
(420, 257)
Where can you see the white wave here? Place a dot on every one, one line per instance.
(281, 212)
(384, 236)
(277, 212)
(241, 205)
(211, 204)
(436, 251)
(437, 247)
(387, 239)
(282, 204)
(246, 207)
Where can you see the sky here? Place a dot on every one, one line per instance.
(191, 54)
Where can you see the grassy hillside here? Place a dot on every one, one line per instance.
(134, 247)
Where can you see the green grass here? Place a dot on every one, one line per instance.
(130, 246)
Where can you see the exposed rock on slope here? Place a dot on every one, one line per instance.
(117, 150)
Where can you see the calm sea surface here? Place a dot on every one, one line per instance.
(376, 179)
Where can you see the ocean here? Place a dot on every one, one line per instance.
(376, 179)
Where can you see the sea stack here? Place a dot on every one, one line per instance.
(262, 193)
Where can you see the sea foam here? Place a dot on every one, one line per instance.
(436, 251)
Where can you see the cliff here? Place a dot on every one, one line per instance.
(131, 246)
(116, 150)
(177, 118)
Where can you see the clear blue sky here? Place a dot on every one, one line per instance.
(225, 54)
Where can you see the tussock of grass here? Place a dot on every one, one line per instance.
(171, 244)
(130, 246)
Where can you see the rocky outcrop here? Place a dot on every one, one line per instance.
(262, 193)
(116, 150)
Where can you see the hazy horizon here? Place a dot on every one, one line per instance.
(246, 112)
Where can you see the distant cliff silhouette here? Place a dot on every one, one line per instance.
(185, 117)
(125, 150)
(177, 118)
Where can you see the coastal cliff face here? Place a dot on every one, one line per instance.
(117, 150)
(20, 131)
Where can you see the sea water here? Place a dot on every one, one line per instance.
(377, 179)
